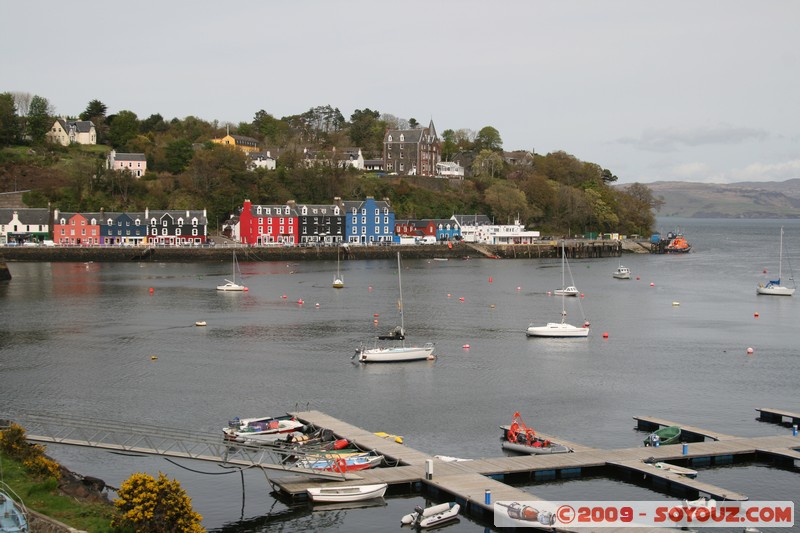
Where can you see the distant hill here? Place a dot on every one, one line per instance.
(735, 200)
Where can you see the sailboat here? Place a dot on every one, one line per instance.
(398, 352)
(559, 329)
(231, 285)
(774, 287)
(338, 282)
(565, 290)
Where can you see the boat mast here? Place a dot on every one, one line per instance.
(780, 258)
(400, 284)
(563, 285)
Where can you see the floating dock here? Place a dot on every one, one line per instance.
(467, 482)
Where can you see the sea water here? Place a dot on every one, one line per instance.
(79, 339)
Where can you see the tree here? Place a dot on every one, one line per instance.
(122, 127)
(412, 123)
(488, 138)
(271, 129)
(153, 123)
(155, 505)
(40, 118)
(9, 122)
(487, 164)
(94, 110)
(506, 201)
(178, 154)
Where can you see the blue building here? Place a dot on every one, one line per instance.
(369, 222)
(123, 229)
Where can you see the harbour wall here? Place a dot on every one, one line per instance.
(577, 248)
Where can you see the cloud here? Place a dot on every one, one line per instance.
(671, 139)
(767, 171)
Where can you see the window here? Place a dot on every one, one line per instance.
(155, 231)
(363, 220)
(194, 222)
(164, 223)
(377, 220)
(281, 221)
(164, 231)
(402, 167)
(355, 230)
(258, 210)
(355, 220)
(363, 230)
(385, 220)
(402, 138)
(180, 221)
(83, 222)
(194, 232)
(389, 138)
(177, 232)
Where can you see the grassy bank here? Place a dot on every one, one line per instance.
(43, 496)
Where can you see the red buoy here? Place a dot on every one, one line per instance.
(605, 334)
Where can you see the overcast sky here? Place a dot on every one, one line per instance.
(694, 90)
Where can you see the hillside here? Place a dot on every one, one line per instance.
(735, 200)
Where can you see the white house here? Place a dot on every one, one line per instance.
(136, 164)
(261, 160)
(66, 132)
(24, 225)
(343, 158)
(449, 169)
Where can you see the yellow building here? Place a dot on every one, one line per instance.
(245, 144)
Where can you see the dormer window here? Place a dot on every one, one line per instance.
(137, 222)
(153, 222)
(304, 211)
(180, 221)
(194, 221)
(258, 210)
(390, 138)
(402, 138)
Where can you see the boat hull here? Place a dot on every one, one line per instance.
(664, 436)
(347, 494)
(535, 450)
(343, 464)
(432, 516)
(398, 354)
(557, 330)
(12, 518)
(265, 430)
(775, 290)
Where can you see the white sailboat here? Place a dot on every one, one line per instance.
(559, 329)
(231, 285)
(338, 281)
(774, 287)
(398, 352)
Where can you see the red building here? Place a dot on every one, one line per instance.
(261, 225)
(76, 229)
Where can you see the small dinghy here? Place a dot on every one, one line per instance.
(13, 517)
(353, 493)
(675, 469)
(432, 516)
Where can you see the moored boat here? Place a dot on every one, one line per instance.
(260, 429)
(352, 493)
(678, 245)
(521, 438)
(662, 436)
(435, 515)
(622, 272)
(335, 463)
(13, 516)
(675, 469)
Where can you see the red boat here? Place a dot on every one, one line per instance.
(678, 245)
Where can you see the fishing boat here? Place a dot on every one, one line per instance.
(662, 436)
(231, 285)
(353, 493)
(774, 287)
(675, 469)
(520, 438)
(560, 329)
(397, 352)
(567, 291)
(622, 272)
(678, 245)
(435, 515)
(13, 515)
(342, 463)
(264, 430)
(338, 281)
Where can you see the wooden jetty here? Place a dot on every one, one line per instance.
(777, 416)
(468, 482)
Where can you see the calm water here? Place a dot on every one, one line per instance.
(77, 338)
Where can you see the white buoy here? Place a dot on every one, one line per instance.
(749, 351)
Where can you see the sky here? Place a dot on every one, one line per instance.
(701, 90)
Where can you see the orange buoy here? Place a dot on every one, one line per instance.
(605, 334)
(581, 295)
(246, 289)
(300, 301)
(375, 321)
(490, 279)
(152, 290)
(466, 346)
(461, 299)
(755, 314)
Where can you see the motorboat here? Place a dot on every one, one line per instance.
(338, 280)
(339, 463)
(260, 430)
(353, 493)
(433, 516)
(397, 352)
(567, 291)
(774, 287)
(678, 245)
(520, 438)
(622, 272)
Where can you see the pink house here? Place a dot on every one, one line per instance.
(136, 164)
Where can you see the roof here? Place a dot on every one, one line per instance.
(242, 139)
(472, 220)
(81, 126)
(129, 157)
(33, 216)
(175, 214)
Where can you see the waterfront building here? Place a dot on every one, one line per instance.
(76, 229)
(482, 230)
(369, 221)
(319, 223)
(24, 225)
(123, 229)
(177, 228)
(264, 225)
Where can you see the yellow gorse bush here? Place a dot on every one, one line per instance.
(156, 505)
(14, 443)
